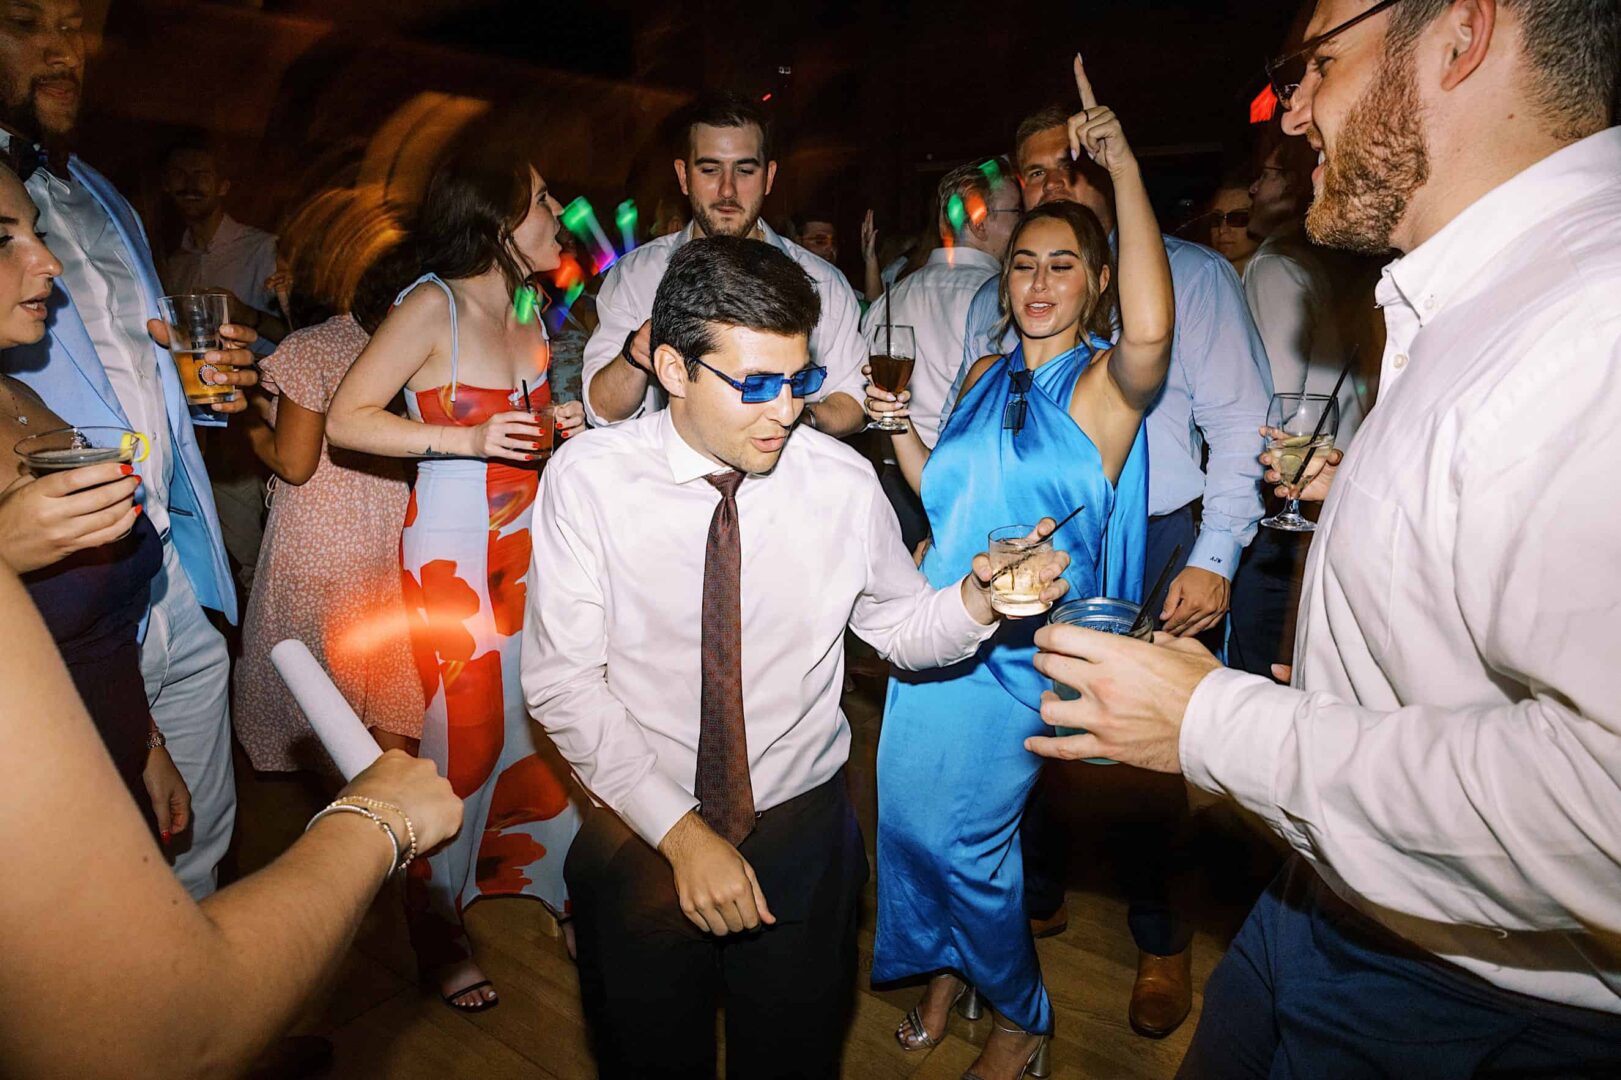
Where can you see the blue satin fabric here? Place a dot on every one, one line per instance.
(953, 774)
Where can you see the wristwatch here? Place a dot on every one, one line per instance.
(155, 740)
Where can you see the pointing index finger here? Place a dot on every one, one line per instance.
(1089, 100)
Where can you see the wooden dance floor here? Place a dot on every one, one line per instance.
(384, 1025)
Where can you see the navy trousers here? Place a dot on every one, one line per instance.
(1313, 988)
(1148, 841)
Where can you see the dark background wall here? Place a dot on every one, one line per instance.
(872, 100)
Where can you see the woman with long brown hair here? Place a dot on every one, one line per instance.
(466, 345)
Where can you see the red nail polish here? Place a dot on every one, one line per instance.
(127, 470)
(137, 508)
(165, 834)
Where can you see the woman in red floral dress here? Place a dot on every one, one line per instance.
(461, 348)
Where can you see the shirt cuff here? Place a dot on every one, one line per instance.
(1235, 729)
(1216, 552)
(655, 805)
(962, 626)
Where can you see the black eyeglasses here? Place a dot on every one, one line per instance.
(1233, 219)
(759, 388)
(1286, 73)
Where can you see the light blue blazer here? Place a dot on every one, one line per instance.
(63, 368)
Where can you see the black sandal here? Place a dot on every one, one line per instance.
(483, 1003)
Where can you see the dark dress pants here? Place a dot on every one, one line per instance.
(1148, 841)
(651, 981)
(1266, 599)
(914, 520)
(1311, 988)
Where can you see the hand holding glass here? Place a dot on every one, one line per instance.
(194, 321)
(1299, 426)
(1023, 567)
(891, 369)
(1110, 616)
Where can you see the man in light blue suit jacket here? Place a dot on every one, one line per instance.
(103, 362)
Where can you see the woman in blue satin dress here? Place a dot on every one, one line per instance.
(1055, 425)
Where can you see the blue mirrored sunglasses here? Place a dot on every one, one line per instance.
(762, 387)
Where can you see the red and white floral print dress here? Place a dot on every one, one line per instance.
(465, 569)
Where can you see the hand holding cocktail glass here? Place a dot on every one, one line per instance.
(1019, 574)
(1132, 695)
(1315, 481)
(888, 370)
(78, 493)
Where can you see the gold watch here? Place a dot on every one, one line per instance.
(155, 740)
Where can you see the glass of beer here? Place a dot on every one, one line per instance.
(76, 447)
(892, 367)
(194, 331)
(1099, 613)
(1298, 424)
(1017, 557)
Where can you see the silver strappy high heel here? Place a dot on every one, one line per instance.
(912, 1035)
(1038, 1067)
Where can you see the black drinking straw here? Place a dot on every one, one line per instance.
(1022, 559)
(525, 384)
(1333, 396)
(1155, 596)
(889, 322)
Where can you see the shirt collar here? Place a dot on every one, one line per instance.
(1429, 276)
(767, 233)
(228, 231)
(686, 464)
(963, 256)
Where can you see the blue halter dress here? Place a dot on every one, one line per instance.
(953, 774)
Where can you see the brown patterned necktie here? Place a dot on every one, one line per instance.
(725, 794)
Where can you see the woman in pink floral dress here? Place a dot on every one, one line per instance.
(462, 350)
(328, 570)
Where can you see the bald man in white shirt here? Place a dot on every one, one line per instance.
(685, 653)
(1447, 762)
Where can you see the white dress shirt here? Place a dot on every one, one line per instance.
(1290, 288)
(1450, 754)
(96, 272)
(611, 654)
(239, 258)
(934, 302)
(626, 301)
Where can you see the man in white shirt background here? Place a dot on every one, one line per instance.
(103, 362)
(726, 170)
(218, 253)
(1300, 295)
(692, 674)
(1447, 762)
(934, 302)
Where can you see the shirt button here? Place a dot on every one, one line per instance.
(1429, 303)
(1400, 361)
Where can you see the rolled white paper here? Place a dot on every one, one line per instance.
(346, 739)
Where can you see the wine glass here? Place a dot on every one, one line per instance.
(1298, 425)
(892, 367)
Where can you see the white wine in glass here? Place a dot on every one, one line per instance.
(1302, 426)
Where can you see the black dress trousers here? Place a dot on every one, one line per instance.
(651, 981)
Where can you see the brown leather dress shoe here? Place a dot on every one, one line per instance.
(1052, 925)
(1163, 995)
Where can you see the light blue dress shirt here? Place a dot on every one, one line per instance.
(1216, 394)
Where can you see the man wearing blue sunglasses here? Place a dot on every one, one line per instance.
(685, 652)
